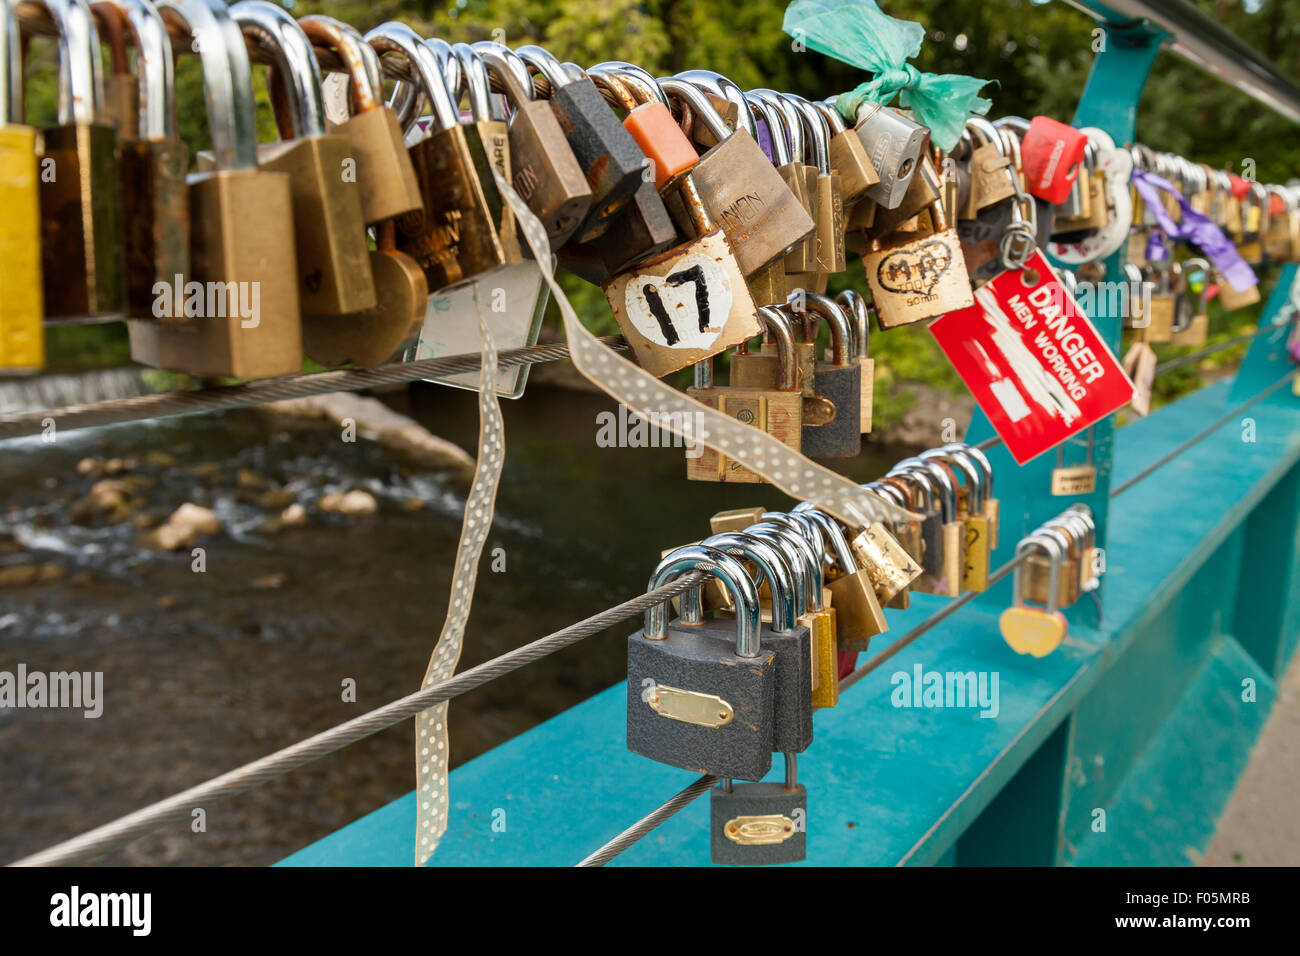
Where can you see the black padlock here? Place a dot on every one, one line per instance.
(759, 824)
(835, 408)
(931, 558)
(792, 707)
(694, 701)
(609, 156)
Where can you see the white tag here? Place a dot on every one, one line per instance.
(686, 309)
(513, 302)
(334, 91)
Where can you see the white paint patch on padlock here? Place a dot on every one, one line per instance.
(677, 297)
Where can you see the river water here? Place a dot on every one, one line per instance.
(204, 671)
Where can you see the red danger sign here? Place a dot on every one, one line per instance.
(1034, 362)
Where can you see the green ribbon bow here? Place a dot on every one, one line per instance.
(858, 33)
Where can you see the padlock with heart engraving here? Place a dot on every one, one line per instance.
(776, 409)
(688, 303)
(758, 824)
(1035, 630)
(918, 279)
(694, 701)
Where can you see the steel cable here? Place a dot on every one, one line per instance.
(123, 830)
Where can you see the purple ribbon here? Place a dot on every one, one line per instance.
(1195, 228)
(764, 138)
(1156, 250)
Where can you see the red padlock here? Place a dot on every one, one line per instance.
(1050, 154)
(1238, 185)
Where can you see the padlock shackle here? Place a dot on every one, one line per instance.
(278, 33)
(773, 568)
(842, 342)
(475, 83)
(918, 478)
(802, 561)
(744, 596)
(112, 33)
(943, 481)
(156, 81)
(227, 78)
(691, 94)
(778, 326)
(836, 541)
(509, 69)
(982, 128)
(977, 455)
(365, 76)
(780, 146)
(860, 314)
(808, 539)
(815, 131)
(613, 86)
(642, 75)
(974, 478)
(723, 90)
(395, 37)
(81, 77)
(11, 58)
(1055, 554)
(791, 123)
(833, 119)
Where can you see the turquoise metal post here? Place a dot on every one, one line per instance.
(1109, 102)
(1267, 358)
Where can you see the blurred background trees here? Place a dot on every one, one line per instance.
(1037, 52)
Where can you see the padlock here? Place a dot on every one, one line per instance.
(1076, 522)
(153, 163)
(1094, 213)
(639, 229)
(848, 157)
(858, 615)
(1159, 311)
(1077, 203)
(1035, 630)
(912, 532)
(838, 383)
(804, 542)
(329, 233)
(791, 642)
(888, 562)
(456, 235)
(860, 315)
(918, 279)
(758, 824)
(762, 369)
(769, 286)
(22, 342)
(777, 411)
(1039, 213)
(688, 303)
(975, 524)
(375, 335)
(735, 519)
(243, 320)
(611, 160)
(1050, 154)
(789, 150)
(903, 219)
(1283, 233)
(694, 701)
(990, 508)
(730, 101)
(544, 168)
(1195, 333)
(1038, 572)
(761, 218)
(81, 212)
(895, 145)
(121, 92)
(992, 174)
(830, 194)
(384, 175)
(942, 530)
(1074, 480)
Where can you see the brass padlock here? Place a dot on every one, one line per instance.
(848, 157)
(22, 341)
(1038, 573)
(858, 615)
(918, 279)
(334, 275)
(456, 235)
(970, 508)
(788, 154)
(1036, 631)
(761, 218)
(153, 164)
(81, 213)
(688, 303)
(778, 411)
(860, 314)
(241, 306)
(385, 177)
